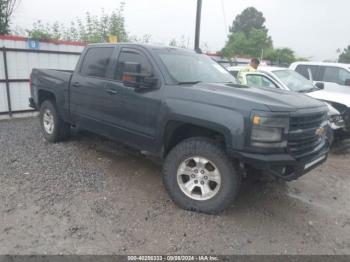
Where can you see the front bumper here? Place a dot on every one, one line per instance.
(283, 166)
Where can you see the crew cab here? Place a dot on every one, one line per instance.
(189, 112)
(286, 79)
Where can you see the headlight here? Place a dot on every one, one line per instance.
(269, 132)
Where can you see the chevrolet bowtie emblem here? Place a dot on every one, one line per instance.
(320, 131)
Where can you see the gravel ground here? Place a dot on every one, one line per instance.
(92, 196)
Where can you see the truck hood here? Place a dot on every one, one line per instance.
(250, 98)
(332, 94)
(275, 100)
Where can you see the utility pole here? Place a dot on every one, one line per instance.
(198, 27)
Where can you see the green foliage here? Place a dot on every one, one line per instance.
(249, 36)
(280, 56)
(345, 56)
(41, 31)
(6, 10)
(145, 39)
(250, 18)
(302, 59)
(247, 44)
(182, 43)
(92, 29)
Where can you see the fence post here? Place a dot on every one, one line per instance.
(7, 82)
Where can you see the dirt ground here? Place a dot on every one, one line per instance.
(92, 196)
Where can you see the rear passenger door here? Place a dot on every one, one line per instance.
(94, 105)
(335, 75)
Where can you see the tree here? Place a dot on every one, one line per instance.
(249, 36)
(345, 56)
(92, 29)
(6, 10)
(40, 31)
(281, 56)
(182, 43)
(251, 44)
(250, 18)
(145, 39)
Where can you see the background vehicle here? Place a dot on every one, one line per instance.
(335, 78)
(332, 75)
(286, 79)
(188, 110)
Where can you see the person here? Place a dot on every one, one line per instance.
(252, 67)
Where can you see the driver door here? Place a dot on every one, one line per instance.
(140, 107)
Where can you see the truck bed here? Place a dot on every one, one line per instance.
(54, 81)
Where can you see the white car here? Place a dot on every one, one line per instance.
(286, 79)
(331, 75)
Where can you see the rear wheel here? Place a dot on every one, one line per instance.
(200, 177)
(53, 127)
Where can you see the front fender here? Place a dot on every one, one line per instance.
(229, 123)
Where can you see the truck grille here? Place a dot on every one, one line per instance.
(303, 139)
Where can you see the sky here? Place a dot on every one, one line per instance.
(313, 28)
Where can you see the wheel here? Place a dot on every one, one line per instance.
(53, 127)
(200, 177)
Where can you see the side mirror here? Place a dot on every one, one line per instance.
(130, 70)
(132, 76)
(347, 82)
(320, 85)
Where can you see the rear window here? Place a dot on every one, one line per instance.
(96, 61)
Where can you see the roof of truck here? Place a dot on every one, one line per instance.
(147, 46)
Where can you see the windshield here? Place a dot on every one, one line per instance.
(187, 67)
(294, 81)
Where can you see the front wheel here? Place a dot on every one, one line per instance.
(200, 177)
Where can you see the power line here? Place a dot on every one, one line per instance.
(224, 15)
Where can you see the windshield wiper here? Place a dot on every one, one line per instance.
(189, 83)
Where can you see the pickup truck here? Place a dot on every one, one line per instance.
(189, 112)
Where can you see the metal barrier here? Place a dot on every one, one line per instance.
(8, 81)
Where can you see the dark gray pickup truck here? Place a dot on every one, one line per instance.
(187, 110)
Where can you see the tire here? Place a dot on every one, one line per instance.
(220, 196)
(53, 127)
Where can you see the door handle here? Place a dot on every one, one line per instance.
(76, 84)
(112, 91)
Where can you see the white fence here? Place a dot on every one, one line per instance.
(18, 56)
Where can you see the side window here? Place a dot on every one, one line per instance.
(344, 77)
(135, 56)
(336, 75)
(259, 81)
(96, 61)
(304, 71)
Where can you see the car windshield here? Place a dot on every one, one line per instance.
(189, 68)
(294, 81)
